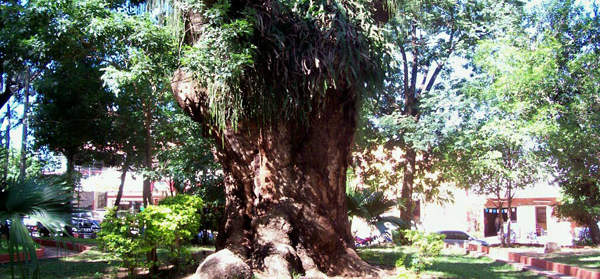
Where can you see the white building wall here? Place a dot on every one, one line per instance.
(453, 216)
(559, 231)
(465, 213)
(525, 221)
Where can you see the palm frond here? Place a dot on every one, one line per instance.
(368, 204)
(45, 201)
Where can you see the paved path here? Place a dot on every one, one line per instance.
(51, 252)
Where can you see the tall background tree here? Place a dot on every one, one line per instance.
(569, 107)
(432, 40)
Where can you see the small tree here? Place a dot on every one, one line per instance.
(498, 161)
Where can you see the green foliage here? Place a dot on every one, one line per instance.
(368, 204)
(545, 87)
(184, 214)
(570, 106)
(423, 106)
(73, 110)
(428, 247)
(399, 235)
(187, 158)
(121, 235)
(167, 225)
(281, 59)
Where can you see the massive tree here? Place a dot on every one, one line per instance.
(277, 84)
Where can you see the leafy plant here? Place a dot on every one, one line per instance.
(169, 224)
(181, 222)
(121, 235)
(428, 247)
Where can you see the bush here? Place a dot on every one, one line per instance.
(399, 237)
(121, 236)
(428, 247)
(181, 223)
(184, 215)
(167, 225)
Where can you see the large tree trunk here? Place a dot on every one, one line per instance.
(285, 187)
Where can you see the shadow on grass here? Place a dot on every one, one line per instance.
(382, 256)
(90, 264)
(467, 267)
(448, 266)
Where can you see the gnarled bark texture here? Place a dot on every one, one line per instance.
(285, 187)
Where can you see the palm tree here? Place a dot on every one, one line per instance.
(370, 205)
(47, 201)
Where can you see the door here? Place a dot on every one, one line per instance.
(540, 221)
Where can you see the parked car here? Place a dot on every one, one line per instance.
(85, 228)
(461, 238)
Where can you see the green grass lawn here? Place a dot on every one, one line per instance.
(90, 264)
(447, 266)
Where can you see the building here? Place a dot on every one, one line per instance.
(532, 219)
(99, 188)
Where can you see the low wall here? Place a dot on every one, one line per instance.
(5, 258)
(565, 269)
(66, 245)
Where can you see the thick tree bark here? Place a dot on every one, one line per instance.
(285, 187)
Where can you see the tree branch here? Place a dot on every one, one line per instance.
(405, 64)
(7, 93)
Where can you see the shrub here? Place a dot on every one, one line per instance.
(181, 222)
(399, 237)
(184, 215)
(169, 224)
(428, 247)
(121, 235)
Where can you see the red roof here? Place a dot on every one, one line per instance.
(493, 203)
